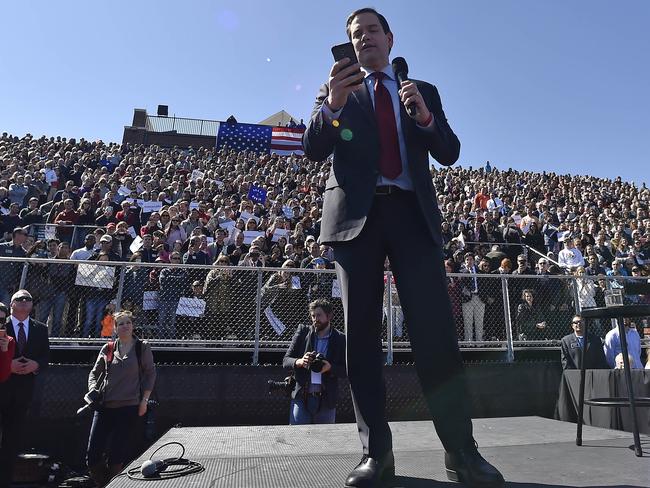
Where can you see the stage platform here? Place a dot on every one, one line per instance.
(529, 451)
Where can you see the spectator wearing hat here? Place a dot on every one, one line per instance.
(31, 357)
(570, 257)
(11, 271)
(106, 247)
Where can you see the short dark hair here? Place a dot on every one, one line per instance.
(366, 10)
(323, 304)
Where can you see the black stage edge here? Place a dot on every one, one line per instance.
(228, 395)
(530, 452)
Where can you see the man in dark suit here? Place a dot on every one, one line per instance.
(30, 358)
(380, 175)
(572, 344)
(315, 395)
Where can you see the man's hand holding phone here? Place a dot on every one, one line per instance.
(343, 80)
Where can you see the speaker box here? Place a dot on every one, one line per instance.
(163, 110)
(139, 117)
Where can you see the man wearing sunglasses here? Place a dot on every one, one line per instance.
(31, 357)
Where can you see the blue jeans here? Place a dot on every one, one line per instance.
(111, 434)
(94, 315)
(310, 414)
(167, 318)
(56, 302)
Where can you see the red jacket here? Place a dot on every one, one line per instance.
(5, 361)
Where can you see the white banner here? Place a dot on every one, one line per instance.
(150, 206)
(95, 275)
(277, 233)
(150, 300)
(275, 322)
(251, 235)
(190, 307)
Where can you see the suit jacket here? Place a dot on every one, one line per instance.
(304, 341)
(594, 355)
(350, 189)
(37, 349)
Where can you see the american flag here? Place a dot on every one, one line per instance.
(260, 138)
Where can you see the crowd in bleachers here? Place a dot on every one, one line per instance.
(65, 198)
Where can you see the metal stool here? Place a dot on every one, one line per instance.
(618, 313)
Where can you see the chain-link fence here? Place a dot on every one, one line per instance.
(260, 308)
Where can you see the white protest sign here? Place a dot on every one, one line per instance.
(124, 191)
(196, 174)
(251, 235)
(194, 205)
(94, 275)
(247, 215)
(336, 289)
(516, 218)
(228, 225)
(136, 244)
(149, 207)
(275, 322)
(190, 307)
(132, 232)
(49, 232)
(295, 283)
(150, 300)
(277, 233)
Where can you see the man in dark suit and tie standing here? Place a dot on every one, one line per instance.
(380, 176)
(572, 345)
(31, 357)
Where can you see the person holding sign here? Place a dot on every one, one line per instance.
(381, 175)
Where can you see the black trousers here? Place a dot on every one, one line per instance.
(13, 412)
(395, 228)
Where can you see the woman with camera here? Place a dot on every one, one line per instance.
(124, 374)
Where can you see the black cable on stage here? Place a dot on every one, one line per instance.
(185, 467)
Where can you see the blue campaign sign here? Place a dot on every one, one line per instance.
(257, 194)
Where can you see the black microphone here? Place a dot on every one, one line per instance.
(401, 70)
(150, 468)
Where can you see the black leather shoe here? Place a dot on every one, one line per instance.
(370, 472)
(469, 467)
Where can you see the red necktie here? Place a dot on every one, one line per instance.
(22, 339)
(390, 161)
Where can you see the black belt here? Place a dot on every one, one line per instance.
(387, 189)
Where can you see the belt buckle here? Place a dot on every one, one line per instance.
(383, 190)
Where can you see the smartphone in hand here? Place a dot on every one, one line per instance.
(346, 50)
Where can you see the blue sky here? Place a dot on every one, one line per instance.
(556, 85)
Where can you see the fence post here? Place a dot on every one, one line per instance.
(120, 289)
(576, 299)
(23, 276)
(389, 318)
(510, 348)
(258, 312)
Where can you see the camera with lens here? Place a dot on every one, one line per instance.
(317, 363)
(93, 401)
(284, 387)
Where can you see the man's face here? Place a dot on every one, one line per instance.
(320, 319)
(577, 326)
(370, 42)
(21, 307)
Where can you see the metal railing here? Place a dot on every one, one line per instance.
(258, 309)
(180, 125)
